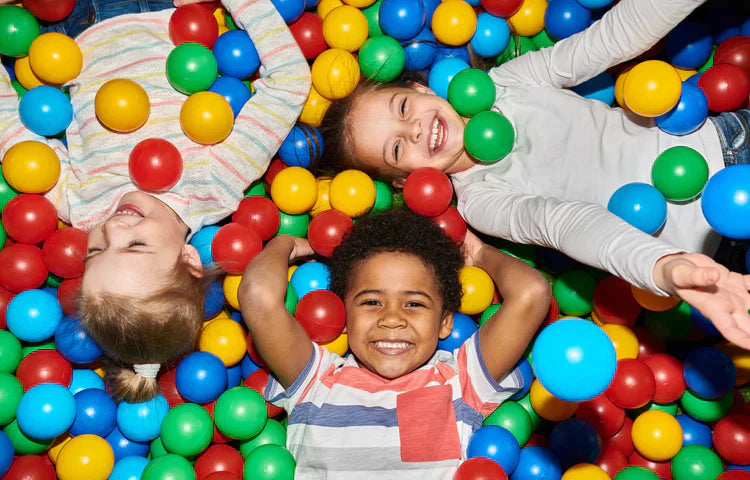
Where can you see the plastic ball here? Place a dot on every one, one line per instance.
(575, 440)
(584, 471)
(201, 377)
(260, 214)
(452, 224)
(528, 20)
(726, 201)
(491, 36)
(401, 19)
(667, 371)
(478, 290)
(352, 192)
(6, 453)
(193, 23)
(308, 32)
(679, 173)
(570, 349)
(421, 50)
(709, 373)
(30, 467)
(614, 302)
(326, 231)
(124, 447)
(186, 430)
(191, 68)
(45, 110)
(454, 23)
(657, 435)
(45, 411)
(641, 205)
(731, 438)
(96, 413)
(734, 50)
(225, 338)
(480, 468)
(240, 413)
(322, 314)
(33, 315)
(694, 432)
(236, 55)
(294, 190)
(141, 422)
(317, 105)
(122, 105)
(605, 416)
(18, 28)
(168, 466)
(574, 292)
(303, 146)
(726, 86)
(128, 468)
(31, 167)
(428, 191)
(565, 18)
(688, 45)
(495, 443)
(206, 118)
(84, 378)
(11, 392)
(382, 58)
(600, 87)
(85, 456)
(74, 342)
(548, 406)
(55, 58)
(269, 462)
(63, 252)
(155, 165)
(29, 218)
(44, 366)
(502, 8)
(335, 74)
(633, 385)
(25, 75)
(442, 72)
(688, 115)
(345, 27)
(706, 410)
(471, 91)
(463, 328)
(290, 10)
(489, 136)
(219, 459)
(695, 462)
(652, 88)
(310, 276)
(234, 246)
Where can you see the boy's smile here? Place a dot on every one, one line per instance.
(394, 314)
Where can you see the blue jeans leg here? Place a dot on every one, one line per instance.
(734, 134)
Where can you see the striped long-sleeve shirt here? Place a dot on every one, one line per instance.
(346, 422)
(94, 174)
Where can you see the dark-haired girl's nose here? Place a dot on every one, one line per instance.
(416, 130)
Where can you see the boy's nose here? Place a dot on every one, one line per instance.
(392, 319)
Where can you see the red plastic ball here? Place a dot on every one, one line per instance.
(633, 385)
(31, 467)
(663, 469)
(21, 267)
(193, 23)
(648, 344)
(553, 314)
(667, 370)
(452, 224)
(623, 439)
(44, 366)
(614, 302)
(428, 191)
(222, 476)
(502, 8)
(308, 32)
(726, 86)
(63, 252)
(5, 297)
(67, 293)
(218, 437)
(234, 245)
(611, 461)
(273, 169)
(168, 388)
(734, 50)
(480, 468)
(537, 440)
(260, 214)
(327, 229)
(732, 438)
(604, 415)
(155, 164)
(322, 314)
(49, 10)
(253, 352)
(218, 458)
(210, 6)
(734, 475)
(258, 381)
(29, 218)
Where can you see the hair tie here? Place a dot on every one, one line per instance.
(147, 370)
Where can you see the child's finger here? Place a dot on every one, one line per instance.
(689, 276)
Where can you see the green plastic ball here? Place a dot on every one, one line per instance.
(31, 347)
(269, 462)
(273, 433)
(53, 280)
(18, 28)
(514, 418)
(229, 21)
(11, 392)
(187, 429)
(542, 39)
(706, 410)
(488, 312)
(22, 443)
(696, 462)
(240, 413)
(290, 299)
(383, 197)
(372, 14)
(574, 292)
(536, 420)
(6, 191)
(709, 63)
(381, 58)
(636, 473)
(168, 467)
(10, 352)
(488, 136)
(471, 91)
(256, 189)
(157, 448)
(191, 68)
(679, 173)
(671, 325)
(294, 225)
(20, 89)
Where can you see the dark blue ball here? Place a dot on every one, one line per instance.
(524, 368)
(601, 87)
(695, 432)
(564, 18)
(709, 373)
(124, 447)
(463, 327)
(537, 463)
(6, 453)
(96, 413)
(575, 441)
(201, 377)
(421, 50)
(495, 443)
(74, 343)
(214, 300)
(688, 45)
(235, 54)
(290, 10)
(688, 115)
(234, 92)
(302, 147)
(402, 19)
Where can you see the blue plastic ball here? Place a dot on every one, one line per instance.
(726, 201)
(739, 467)
(9, 65)
(33, 315)
(290, 10)
(129, 468)
(84, 378)
(463, 327)
(695, 432)
(421, 50)
(302, 147)
(571, 349)
(461, 53)
(745, 28)
(310, 276)
(429, 10)
(688, 115)
(564, 18)
(443, 72)
(201, 377)
(537, 463)
(574, 441)
(236, 55)
(491, 37)
(234, 375)
(124, 447)
(6, 453)
(234, 92)
(96, 413)
(693, 79)
(527, 373)
(724, 33)
(402, 19)
(641, 205)
(495, 443)
(202, 243)
(709, 373)
(248, 366)
(688, 45)
(702, 322)
(141, 421)
(46, 411)
(214, 300)
(74, 343)
(601, 87)
(45, 110)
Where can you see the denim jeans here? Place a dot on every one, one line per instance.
(88, 12)
(734, 134)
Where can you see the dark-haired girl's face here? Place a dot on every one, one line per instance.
(397, 130)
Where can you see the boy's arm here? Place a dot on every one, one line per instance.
(526, 298)
(280, 339)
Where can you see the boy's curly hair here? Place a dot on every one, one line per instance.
(403, 231)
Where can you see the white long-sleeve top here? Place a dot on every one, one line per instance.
(571, 153)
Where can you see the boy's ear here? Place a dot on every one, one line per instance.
(398, 182)
(193, 259)
(421, 88)
(446, 326)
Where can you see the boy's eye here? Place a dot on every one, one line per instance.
(414, 304)
(370, 302)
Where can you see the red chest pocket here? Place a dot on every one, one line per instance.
(427, 425)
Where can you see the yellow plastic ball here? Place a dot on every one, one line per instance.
(57, 446)
(294, 190)
(529, 19)
(657, 435)
(620, 86)
(224, 338)
(326, 6)
(623, 339)
(222, 29)
(352, 192)
(314, 109)
(231, 285)
(741, 360)
(85, 456)
(345, 27)
(359, 3)
(478, 290)
(290, 272)
(219, 16)
(31, 167)
(323, 202)
(548, 406)
(685, 73)
(652, 301)
(206, 118)
(652, 88)
(25, 75)
(100, 371)
(335, 73)
(55, 58)
(585, 471)
(454, 23)
(122, 105)
(338, 345)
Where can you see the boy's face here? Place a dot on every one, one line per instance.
(397, 130)
(132, 252)
(394, 314)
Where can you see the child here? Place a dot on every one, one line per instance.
(141, 296)
(570, 155)
(395, 408)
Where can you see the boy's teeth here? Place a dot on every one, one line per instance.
(392, 344)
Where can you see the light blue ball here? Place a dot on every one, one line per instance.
(567, 351)
(463, 328)
(688, 115)
(443, 72)
(45, 110)
(84, 378)
(129, 468)
(726, 201)
(202, 243)
(401, 19)
(201, 377)
(142, 421)
(33, 315)
(495, 443)
(641, 205)
(46, 411)
(310, 276)
(491, 36)
(124, 447)
(601, 87)
(688, 45)
(74, 343)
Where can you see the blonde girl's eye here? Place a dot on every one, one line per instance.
(396, 150)
(403, 107)
(136, 244)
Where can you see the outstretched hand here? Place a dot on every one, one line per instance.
(470, 248)
(719, 294)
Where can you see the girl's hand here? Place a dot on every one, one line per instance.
(470, 248)
(180, 3)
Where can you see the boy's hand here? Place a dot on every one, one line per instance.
(719, 294)
(301, 249)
